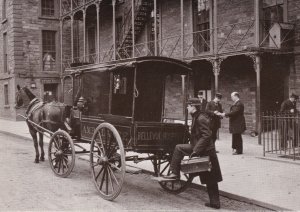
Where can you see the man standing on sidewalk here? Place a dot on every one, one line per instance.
(237, 123)
(202, 100)
(288, 125)
(201, 144)
(214, 108)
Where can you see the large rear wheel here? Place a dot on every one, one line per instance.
(61, 153)
(107, 160)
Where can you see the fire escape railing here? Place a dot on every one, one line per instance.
(230, 38)
(277, 35)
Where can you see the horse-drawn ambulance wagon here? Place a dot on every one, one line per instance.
(137, 105)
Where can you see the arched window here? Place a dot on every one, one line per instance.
(4, 8)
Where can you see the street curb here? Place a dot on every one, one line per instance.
(233, 196)
(194, 185)
(279, 160)
(15, 135)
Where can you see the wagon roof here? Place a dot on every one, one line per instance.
(115, 65)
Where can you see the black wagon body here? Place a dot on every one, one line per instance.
(125, 108)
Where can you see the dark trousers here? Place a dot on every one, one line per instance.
(213, 193)
(214, 133)
(237, 143)
(180, 151)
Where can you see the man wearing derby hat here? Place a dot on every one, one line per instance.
(214, 108)
(200, 144)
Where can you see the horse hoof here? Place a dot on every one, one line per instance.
(42, 159)
(36, 161)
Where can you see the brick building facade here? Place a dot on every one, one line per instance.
(29, 29)
(249, 46)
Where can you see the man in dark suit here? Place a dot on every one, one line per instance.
(214, 108)
(202, 100)
(288, 127)
(200, 145)
(289, 105)
(237, 123)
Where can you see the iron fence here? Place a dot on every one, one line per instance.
(280, 134)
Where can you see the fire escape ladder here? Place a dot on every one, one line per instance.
(142, 12)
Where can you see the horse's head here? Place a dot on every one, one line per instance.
(23, 95)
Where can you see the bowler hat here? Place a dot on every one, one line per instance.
(218, 95)
(294, 96)
(193, 101)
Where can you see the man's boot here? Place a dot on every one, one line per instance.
(214, 198)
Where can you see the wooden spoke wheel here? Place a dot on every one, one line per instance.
(61, 153)
(107, 160)
(161, 168)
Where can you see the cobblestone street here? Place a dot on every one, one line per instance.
(29, 186)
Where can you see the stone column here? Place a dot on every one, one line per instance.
(257, 68)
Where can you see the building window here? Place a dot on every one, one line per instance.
(4, 9)
(272, 14)
(49, 50)
(201, 25)
(48, 8)
(273, 11)
(5, 62)
(6, 102)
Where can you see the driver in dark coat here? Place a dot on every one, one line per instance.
(201, 144)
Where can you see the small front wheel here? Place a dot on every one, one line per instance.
(107, 160)
(61, 153)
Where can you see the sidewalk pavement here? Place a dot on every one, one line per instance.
(268, 182)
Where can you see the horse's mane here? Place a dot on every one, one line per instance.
(30, 95)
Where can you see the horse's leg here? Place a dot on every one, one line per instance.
(41, 143)
(35, 143)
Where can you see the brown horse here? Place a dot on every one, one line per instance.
(47, 115)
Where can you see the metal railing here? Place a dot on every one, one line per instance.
(280, 134)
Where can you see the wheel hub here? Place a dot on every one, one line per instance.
(103, 160)
(59, 153)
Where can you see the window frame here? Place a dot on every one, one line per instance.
(5, 52)
(202, 25)
(4, 10)
(57, 58)
(56, 11)
(6, 94)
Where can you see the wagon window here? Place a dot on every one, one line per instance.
(96, 92)
(120, 84)
(122, 92)
(174, 109)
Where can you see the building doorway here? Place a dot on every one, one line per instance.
(50, 92)
(273, 82)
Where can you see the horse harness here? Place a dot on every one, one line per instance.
(36, 104)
